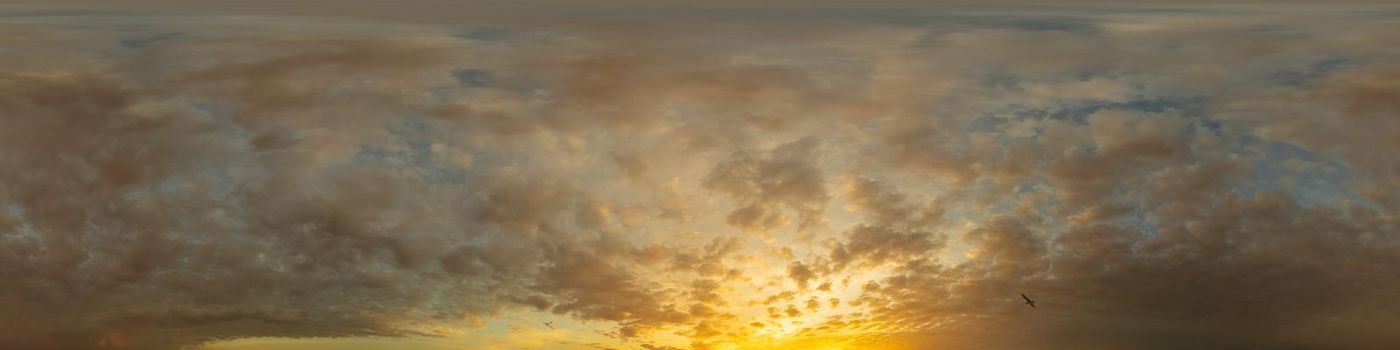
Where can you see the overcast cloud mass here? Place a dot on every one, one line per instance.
(450, 175)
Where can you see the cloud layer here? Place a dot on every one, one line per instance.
(1154, 180)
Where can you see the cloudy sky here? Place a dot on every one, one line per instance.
(889, 175)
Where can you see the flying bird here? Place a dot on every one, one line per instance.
(549, 324)
(1028, 300)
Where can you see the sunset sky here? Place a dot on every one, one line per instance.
(708, 175)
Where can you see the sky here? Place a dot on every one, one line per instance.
(668, 175)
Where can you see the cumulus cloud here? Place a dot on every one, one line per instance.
(1153, 180)
(768, 185)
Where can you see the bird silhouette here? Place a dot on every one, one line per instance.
(549, 324)
(1028, 300)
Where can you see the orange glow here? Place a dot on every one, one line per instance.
(114, 340)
